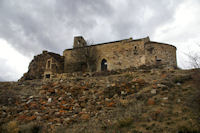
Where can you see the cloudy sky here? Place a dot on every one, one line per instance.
(29, 26)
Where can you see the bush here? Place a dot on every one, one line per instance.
(124, 122)
(184, 129)
(196, 82)
(8, 97)
(31, 128)
(181, 79)
(10, 127)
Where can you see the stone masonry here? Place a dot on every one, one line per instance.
(107, 56)
(125, 54)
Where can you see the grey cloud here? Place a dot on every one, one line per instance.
(141, 18)
(31, 26)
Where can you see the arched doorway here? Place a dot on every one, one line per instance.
(104, 65)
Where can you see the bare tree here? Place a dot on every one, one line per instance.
(194, 58)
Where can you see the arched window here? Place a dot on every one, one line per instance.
(104, 65)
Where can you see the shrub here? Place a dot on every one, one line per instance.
(184, 129)
(31, 128)
(8, 97)
(124, 122)
(10, 127)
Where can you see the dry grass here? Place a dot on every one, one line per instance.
(8, 97)
(11, 127)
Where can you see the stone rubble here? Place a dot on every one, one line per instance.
(74, 100)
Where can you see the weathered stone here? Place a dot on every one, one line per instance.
(153, 91)
(49, 100)
(38, 65)
(85, 116)
(165, 98)
(161, 86)
(123, 93)
(123, 102)
(150, 102)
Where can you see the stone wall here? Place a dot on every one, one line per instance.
(160, 54)
(115, 55)
(118, 55)
(53, 67)
(37, 66)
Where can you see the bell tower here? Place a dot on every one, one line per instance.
(79, 41)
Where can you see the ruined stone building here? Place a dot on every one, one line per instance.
(114, 55)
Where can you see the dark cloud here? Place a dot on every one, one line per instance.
(141, 18)
(31, 26)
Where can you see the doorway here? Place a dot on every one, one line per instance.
(104, 65)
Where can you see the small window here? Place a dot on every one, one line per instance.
(150, 49)
(48, 64)
(158, 59)
(47, 76)
(135, 50)
(79, 41)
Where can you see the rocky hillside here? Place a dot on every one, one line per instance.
(131, 101)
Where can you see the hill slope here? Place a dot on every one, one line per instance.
(130, 101)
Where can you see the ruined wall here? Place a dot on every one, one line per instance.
(37, 66)
(53, 66)
(119, 55)
(79, 41)
(160, 54)
(72, 63)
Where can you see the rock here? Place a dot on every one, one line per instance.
(84, 110)
(85, 117)
(110, 104)
(165, 98)
(36, 113)
(31, 118)
(83, 104)
(60, 98)
(178, 100)
(150, 102)
(123, 93)
(42, 92)
(38, 118)
(30, 97)
(123, 102)
(29, 101)
(115, 96)
(161, 85)
(76, 105)
(57, 113)
(69, 94)
(107, 100)
(153, 91)
(58, 124)
(49, 100)
(67, 119)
